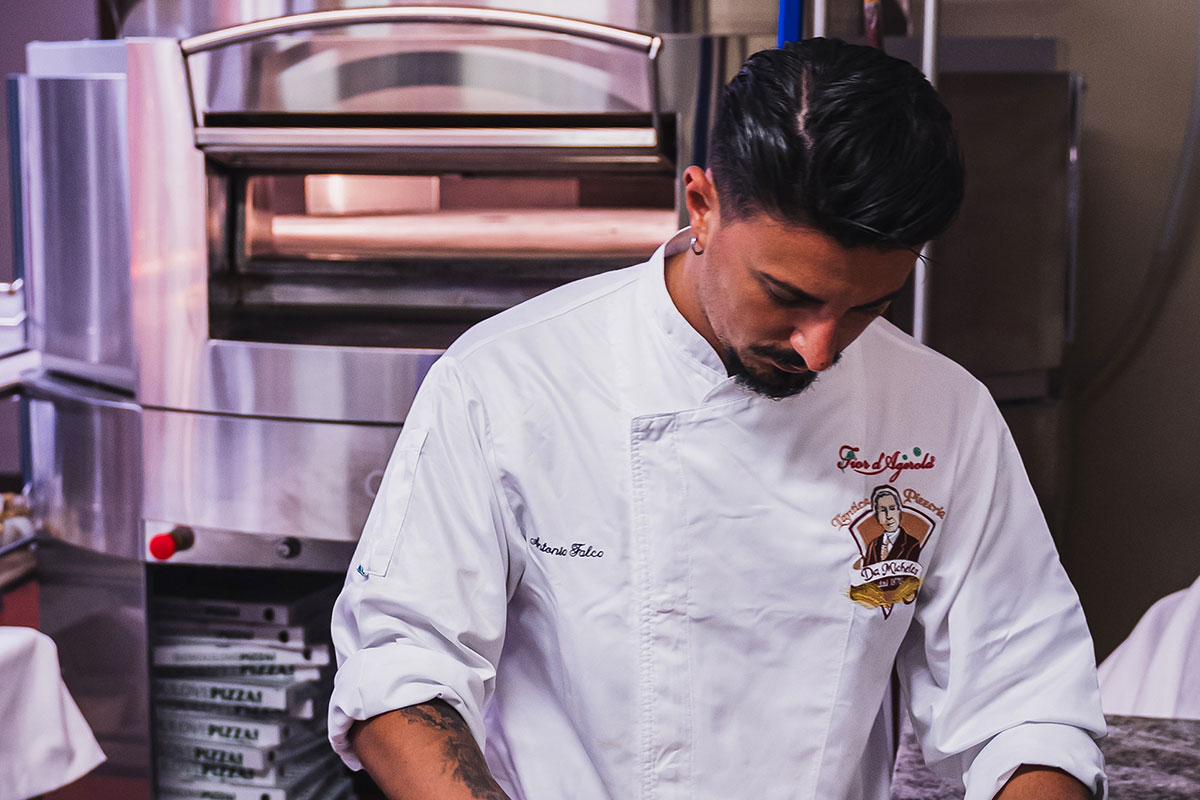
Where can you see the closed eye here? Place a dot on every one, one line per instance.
(787, 296)
(789, 299)
(873, 310)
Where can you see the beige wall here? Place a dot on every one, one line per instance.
(1130, 537)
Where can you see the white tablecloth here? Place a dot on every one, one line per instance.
(45, 742)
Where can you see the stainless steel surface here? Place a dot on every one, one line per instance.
(634, 40)
(354, 138)
(94, 607)
(920, 300)
(221, 548)
(70, 59)
(486, 73)
(930, 33)
(179, 365)
(176, 204)
(167, 206)
(76, 231)
(270, 477)
(86, 460)
(820, 12)
(182, 18)
(313, 382)
(102, 464)
(922, 273)
(422, 69)
(462, 149)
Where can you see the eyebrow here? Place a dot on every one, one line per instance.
(802, 296)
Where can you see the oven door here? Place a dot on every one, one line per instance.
(351, 190)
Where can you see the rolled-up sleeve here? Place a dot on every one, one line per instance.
(998, 668)
(422, 613)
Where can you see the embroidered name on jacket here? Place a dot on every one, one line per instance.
(573, 550)
(893, 464)
(890, 530)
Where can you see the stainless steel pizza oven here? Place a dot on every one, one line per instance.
(387, 187)
(369, 180)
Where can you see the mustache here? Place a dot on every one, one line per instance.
(785, 355)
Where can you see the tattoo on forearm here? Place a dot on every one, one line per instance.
(461, 752)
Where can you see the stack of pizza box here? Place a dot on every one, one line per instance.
(241, 688)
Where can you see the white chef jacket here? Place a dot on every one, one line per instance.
(632, 576)
(1156, 671)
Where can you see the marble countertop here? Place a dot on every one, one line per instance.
(1147, 759)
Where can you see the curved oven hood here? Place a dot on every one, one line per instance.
(180, 19)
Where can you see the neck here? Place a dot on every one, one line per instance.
(681, 273)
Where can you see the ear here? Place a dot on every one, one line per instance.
(700, 195)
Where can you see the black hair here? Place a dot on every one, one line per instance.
(840, 138)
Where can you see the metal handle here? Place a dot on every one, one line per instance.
(441, 138)
(922, 290)
(820, 20)
(647, 44)
(439, 14)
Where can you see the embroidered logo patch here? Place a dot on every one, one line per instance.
(890, 532)
(573, 550)
(892, 464)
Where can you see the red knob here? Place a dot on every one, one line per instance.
(165, 545)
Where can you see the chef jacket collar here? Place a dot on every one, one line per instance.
(666, 315)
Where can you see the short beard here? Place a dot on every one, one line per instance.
(775, 384)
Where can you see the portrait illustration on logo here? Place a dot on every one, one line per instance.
(889, 535)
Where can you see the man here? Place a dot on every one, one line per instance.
(602, 553)
(895, 542)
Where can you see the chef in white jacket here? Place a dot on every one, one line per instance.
(620, 550)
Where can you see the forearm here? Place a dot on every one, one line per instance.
(1033, 782)
(425, 752)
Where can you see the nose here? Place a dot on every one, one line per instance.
(815, 340)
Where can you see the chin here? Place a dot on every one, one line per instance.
(773, 383)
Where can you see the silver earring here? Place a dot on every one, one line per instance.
(699, 252)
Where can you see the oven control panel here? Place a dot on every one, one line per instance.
(168, 542)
